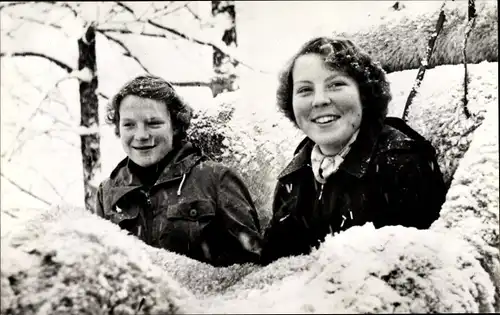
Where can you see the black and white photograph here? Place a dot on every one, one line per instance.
(249, 157)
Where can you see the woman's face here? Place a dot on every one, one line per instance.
(326, 103)
(146, 131)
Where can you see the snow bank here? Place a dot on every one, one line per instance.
(70, 261)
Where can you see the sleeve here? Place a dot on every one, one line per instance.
(285, 234)
(98, 208)
(240, 220)
(411, 186)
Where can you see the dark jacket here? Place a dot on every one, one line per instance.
(389, 177)
(196, 207)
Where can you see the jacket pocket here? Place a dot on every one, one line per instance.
(122, 214)
(179, 227)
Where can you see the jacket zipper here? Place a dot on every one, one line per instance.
(321, 191)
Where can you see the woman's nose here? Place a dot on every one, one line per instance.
(320, 98)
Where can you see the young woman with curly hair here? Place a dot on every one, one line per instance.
(355, 165)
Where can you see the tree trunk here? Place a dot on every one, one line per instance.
(224, 68)
(89, 117)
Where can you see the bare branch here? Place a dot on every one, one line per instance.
(14, 3)
(196, 16)
(33, 20)
(103, 96)
(125, 7)
(46, 180)
(42, 111)
(23, 126)
(159, 12)
(65, 5)
(40, 55)
(127, 52)
(25, 190)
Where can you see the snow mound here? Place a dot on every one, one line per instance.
(67, 261)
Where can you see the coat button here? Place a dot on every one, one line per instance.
(193, 212)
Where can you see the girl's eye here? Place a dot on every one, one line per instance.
(155, 123)
(303, 89)
(127, 124)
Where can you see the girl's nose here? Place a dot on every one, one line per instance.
(142, 133)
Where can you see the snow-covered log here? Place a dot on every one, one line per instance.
(403, 36)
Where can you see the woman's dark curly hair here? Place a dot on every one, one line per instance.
(156, 88)
(341, 54)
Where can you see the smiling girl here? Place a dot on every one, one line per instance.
(166, 192)
(354, 165)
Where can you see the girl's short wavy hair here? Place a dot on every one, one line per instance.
(156, 88)
(342, 55)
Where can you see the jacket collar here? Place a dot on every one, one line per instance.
(123, 181)
(357, 160)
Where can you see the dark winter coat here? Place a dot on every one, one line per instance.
(196, 207)
(389, 177)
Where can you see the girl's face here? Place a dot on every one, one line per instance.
(326, 103)
(146, 131)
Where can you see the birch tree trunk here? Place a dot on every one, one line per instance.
(224, 67)
(89, 119)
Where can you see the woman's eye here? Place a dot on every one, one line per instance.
(335, 84)
(127, 125)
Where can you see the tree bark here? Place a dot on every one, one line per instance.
(225, 67)
(90, 143)
(425, 62)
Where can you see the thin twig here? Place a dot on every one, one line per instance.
(25, 190)
(468, 28)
